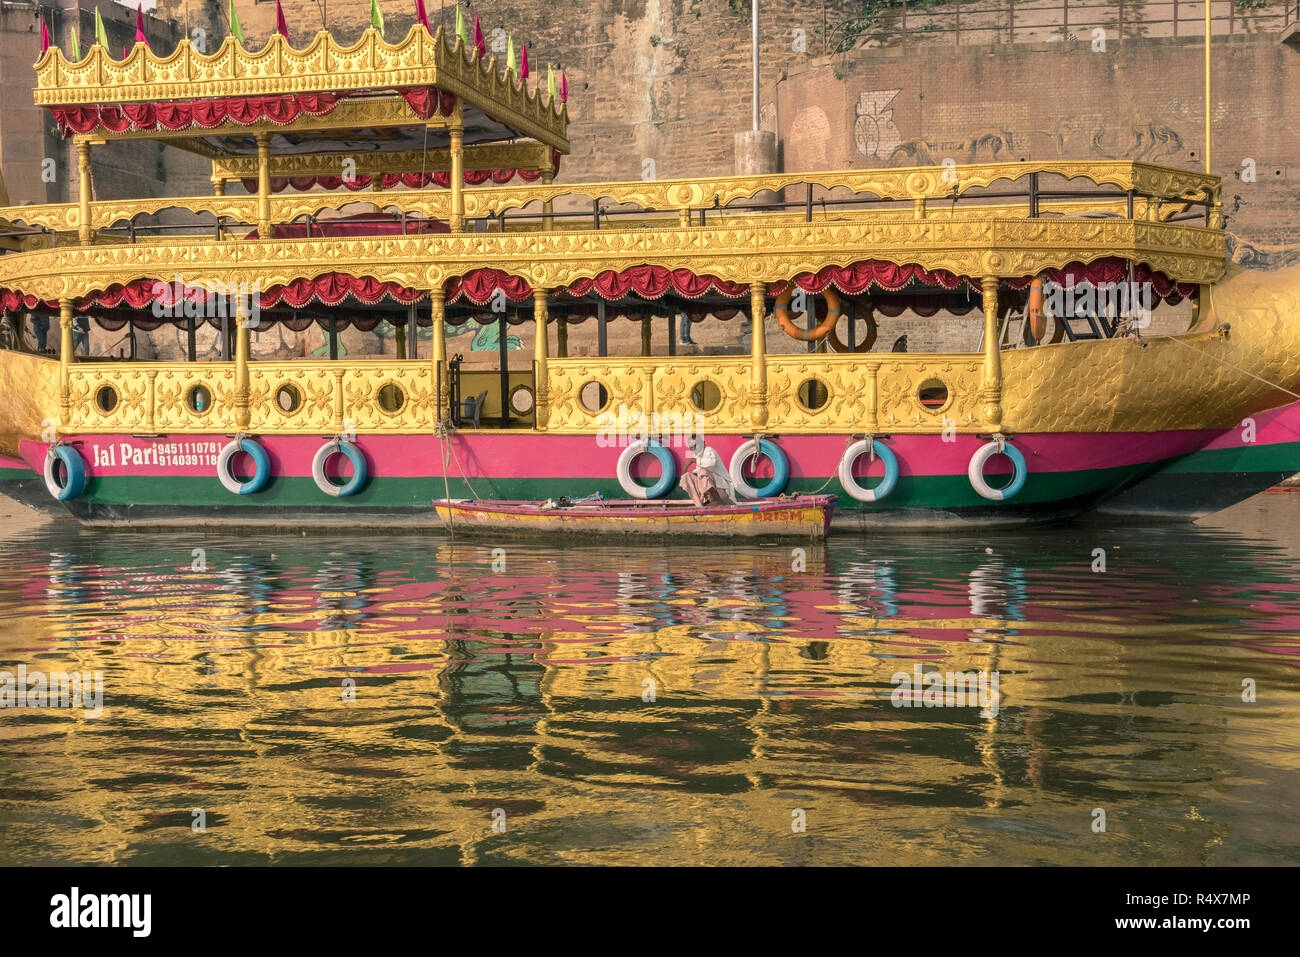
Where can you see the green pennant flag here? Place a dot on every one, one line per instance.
(376, 17)
(550, 82)
(76, 47)
(460, 27)
(100, 36)
(236, 28)
(510, 55)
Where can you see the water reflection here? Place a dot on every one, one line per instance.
(656, 705)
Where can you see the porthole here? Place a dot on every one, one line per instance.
(706, 396)
(198, 399)
(288, 399)
(521, 400)
(593, 396)
(391, 398)
(933, 395)
(814, 394)
(106, 398)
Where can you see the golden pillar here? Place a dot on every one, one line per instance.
(264, 185)
(548, 206)
(66, 359)
(441, 385)
(561, 338)
(758, 366)
(401, 340)
(218, 189)
(541, 345)
(991, 392)
(83, 171)
(456, 221)
(242, 323)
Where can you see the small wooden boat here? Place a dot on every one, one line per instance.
(798, 516)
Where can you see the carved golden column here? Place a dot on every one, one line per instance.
(548, 207)
(241, 365)
(442, 392)
(541, 345)
(456, 221)
(991, 392)
(218, 189)
(758, 366)
(264, 185)
(66, 359)
(401, 340)
(83, 170)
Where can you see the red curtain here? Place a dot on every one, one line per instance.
(654, 282)
(205, 114)
(413, 180)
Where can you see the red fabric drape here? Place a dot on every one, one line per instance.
(413, 180)
(205, 114)
(481, 285)
(654, 282)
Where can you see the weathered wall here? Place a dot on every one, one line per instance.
(1044, 101)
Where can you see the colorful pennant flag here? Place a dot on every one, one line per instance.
(523, 65)
(45, 35)
(376, 17)
(460, 27)
(100, 36)
(422, 16)
(139, 24)
(236, 28)
(76, 47)
(564, 88)
(281, 27)
(478, 39)
(510, 54)
(550, 82)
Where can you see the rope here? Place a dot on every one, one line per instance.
(1231, 365)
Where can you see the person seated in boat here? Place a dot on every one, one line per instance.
(706, 479)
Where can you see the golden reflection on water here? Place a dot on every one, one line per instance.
(525, 689)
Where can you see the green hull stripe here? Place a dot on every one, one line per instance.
(1274, 457)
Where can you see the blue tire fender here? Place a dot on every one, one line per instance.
(666, 463)
(975, 471)
(354, 455)
(851, 484)
(74, 470)
(261, 466)
(780, 469)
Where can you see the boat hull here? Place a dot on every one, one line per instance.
(142, 481)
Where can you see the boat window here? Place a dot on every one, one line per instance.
(106, 398)
(593, 396)
(198, 399)
(521, 400)
(391, 398)
(813, 394)
(288, 398)
(933, 395)
(705, 395)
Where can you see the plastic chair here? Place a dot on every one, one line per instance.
(473, 409)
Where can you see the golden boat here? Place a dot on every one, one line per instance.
(410, 188)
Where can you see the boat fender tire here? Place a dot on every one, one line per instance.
(780, 469)
(72, 464)
(261, 463)
(851, 484)
(323, 481)
(976, 471)
(666, 462)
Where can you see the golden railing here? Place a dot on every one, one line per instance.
(805, 393)
(1156, 192)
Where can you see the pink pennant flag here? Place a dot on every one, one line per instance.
(125, 52)
(523, 69)
(564, 87)
(45, 35)
(139, 25)
(478, 39)
(281, 27)
(422, 16)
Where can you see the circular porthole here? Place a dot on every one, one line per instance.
(933, 395)
(521, 400)
(706, 396)
(814, 394)
(198, 399)
(288, 399)
(391, 398)
(106, 398)
(593, 396)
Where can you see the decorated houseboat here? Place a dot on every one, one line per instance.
(413, 185)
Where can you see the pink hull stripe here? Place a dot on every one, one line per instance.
(523, 455)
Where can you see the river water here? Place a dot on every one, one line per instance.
(380, 699)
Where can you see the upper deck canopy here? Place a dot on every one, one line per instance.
(369, 97)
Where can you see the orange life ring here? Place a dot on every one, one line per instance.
(869, 317)
(1036, 318)
(782, 312)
